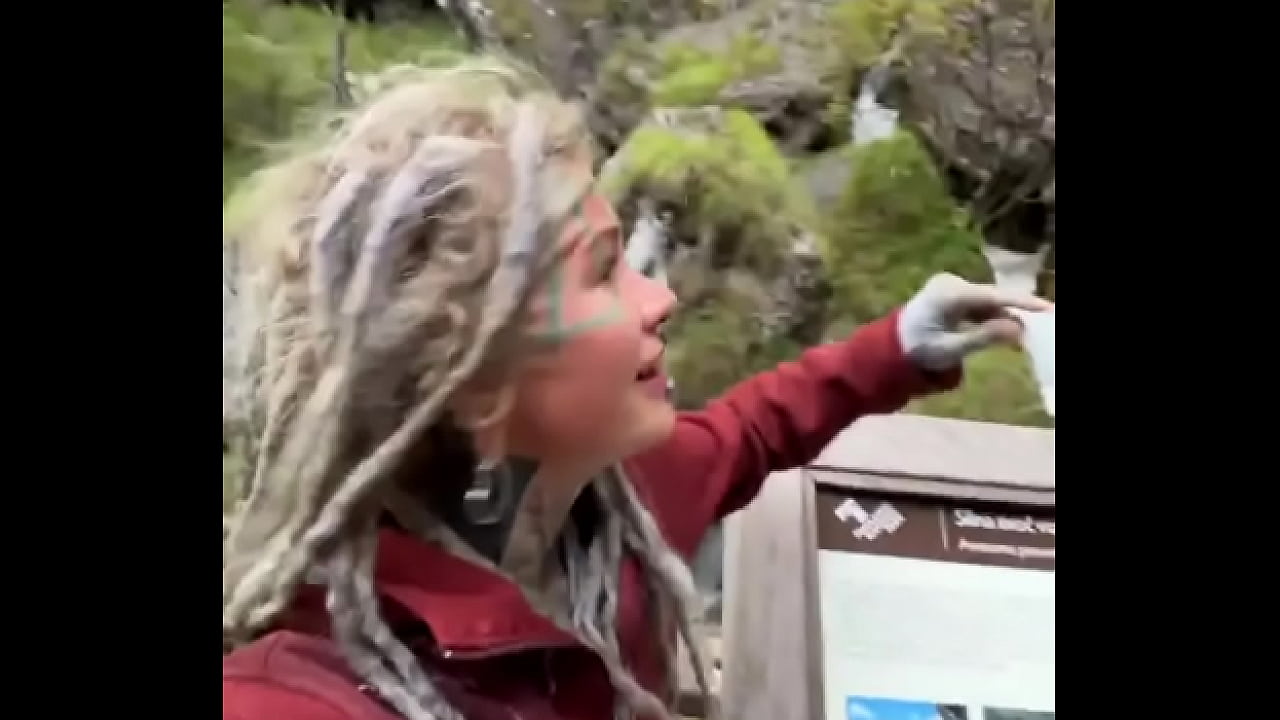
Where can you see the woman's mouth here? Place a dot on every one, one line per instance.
(650, 370)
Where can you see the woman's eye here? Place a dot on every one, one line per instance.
(609, 268)
(605, 259)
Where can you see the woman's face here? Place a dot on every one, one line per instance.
(597, 393)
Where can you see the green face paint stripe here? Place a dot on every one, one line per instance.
(555, 285)
(612, 314)
(558, 331)
(606, 317)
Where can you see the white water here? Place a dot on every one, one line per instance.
(646, 248)
(871, 120)
(1015, 271)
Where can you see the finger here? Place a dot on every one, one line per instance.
(980, 296)
(1002, 330)
(999, 331)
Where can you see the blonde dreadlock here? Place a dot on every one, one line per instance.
(377, 273)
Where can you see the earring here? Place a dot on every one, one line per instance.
(485, 501)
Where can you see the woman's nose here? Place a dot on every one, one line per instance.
(654, 300)
(655, 320)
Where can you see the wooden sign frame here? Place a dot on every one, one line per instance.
(772, 634)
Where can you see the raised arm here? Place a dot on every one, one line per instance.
(715, 460)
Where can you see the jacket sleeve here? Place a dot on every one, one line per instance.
(244, 699)
(715, 460)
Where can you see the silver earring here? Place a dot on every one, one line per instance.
(485, 501)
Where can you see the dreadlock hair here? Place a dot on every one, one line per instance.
(377, 270)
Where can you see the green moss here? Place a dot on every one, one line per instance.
(858, 34)
(718, 344)
(727, 177)
(707, 354)
(692, 85)
(998, 387)
(864, 29)
(895, 225)
(691, 76)
(737, 206)
(838, 116)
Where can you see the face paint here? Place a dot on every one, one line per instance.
(584, 400)
(591, 252)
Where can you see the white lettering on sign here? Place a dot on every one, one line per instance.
(966, 518)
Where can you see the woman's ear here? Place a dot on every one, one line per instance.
(484, 414)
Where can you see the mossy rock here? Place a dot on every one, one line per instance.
(746, 253)
(793, 65)
(986, 108)
(729, 191)
(693, 76)
(763, 58)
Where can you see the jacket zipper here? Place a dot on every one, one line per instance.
(508, 649)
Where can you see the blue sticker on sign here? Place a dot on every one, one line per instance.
(860, 707)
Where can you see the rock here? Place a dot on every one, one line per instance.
(826, 175)
(986, 108)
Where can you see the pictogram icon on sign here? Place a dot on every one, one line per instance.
(869, 525)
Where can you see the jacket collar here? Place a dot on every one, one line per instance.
(471, 611)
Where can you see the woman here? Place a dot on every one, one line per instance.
(471, 498)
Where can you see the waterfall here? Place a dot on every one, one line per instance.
(647, 247)
(1015, 271)
(871, 120)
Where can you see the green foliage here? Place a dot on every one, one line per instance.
(838, 115)
(998, 387)
(728, 178)
(739, 208)
(638, 76)
(707, 353)
(278, 62)
(718, 344)
(895, 226)
(864, 30)
(692, 76)
(862, 33)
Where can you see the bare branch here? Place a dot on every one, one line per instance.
(341, 88)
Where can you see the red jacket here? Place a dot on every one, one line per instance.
(496, 659)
